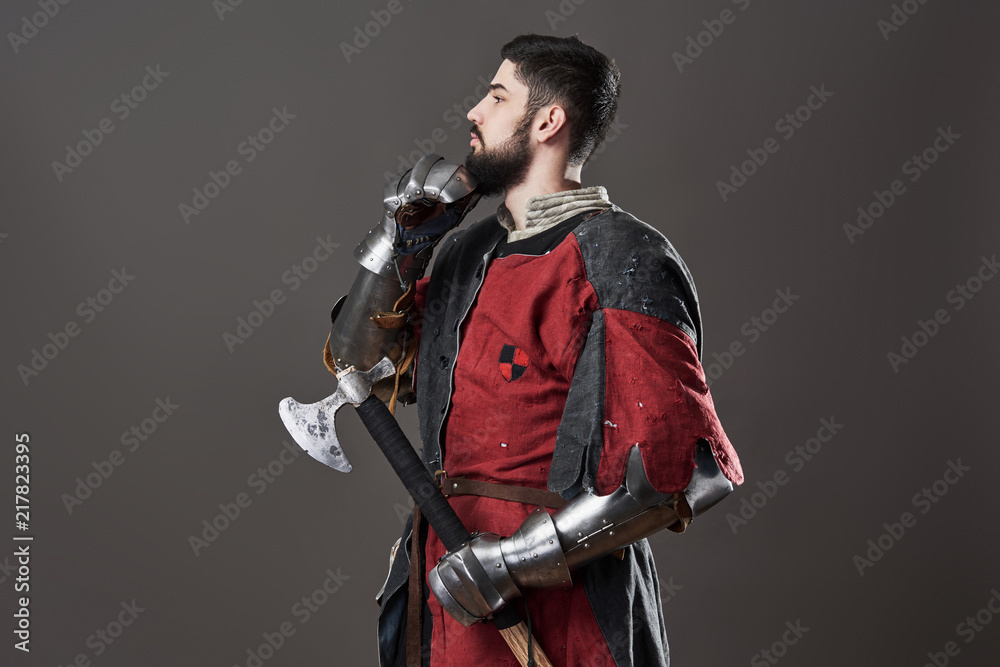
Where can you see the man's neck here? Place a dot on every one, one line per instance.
(516, 199)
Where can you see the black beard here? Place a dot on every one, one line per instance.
(504, 166)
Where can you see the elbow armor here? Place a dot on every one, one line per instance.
(476, 580)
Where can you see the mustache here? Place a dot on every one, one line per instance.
(475, 131)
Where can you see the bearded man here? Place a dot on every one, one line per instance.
(561, 397)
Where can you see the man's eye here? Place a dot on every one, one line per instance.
(497, 98)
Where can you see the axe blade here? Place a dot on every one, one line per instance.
(312, 426)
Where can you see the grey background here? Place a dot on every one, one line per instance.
(322, 177)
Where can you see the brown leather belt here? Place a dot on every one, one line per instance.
(462, 486)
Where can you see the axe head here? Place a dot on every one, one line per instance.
(313, 426)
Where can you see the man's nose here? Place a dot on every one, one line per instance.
(475, 114)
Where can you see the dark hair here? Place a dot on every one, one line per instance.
(577, 76)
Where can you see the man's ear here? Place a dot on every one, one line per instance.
(549, 121)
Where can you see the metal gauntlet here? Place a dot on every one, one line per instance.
(485, 574)
(419, 208)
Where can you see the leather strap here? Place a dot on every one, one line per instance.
(461, 486)
(402, 367)
(398, 316)
(386, 319)
(684, 513)
(328, 356)
(415, 602)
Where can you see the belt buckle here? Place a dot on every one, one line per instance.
(439, 478)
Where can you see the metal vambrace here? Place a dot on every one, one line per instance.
(485, 574)
(434, 187)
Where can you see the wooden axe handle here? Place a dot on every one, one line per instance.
(441, 516)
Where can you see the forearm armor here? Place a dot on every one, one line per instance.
(478, 579)
(367, 322)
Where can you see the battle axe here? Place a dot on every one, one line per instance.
(312, 427)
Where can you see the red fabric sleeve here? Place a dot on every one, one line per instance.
(656, 397)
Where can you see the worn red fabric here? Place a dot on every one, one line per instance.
(532, 314)
(503, 430)
(656, 397)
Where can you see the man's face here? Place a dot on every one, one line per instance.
(500, 135)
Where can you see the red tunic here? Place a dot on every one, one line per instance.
(519, 347)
